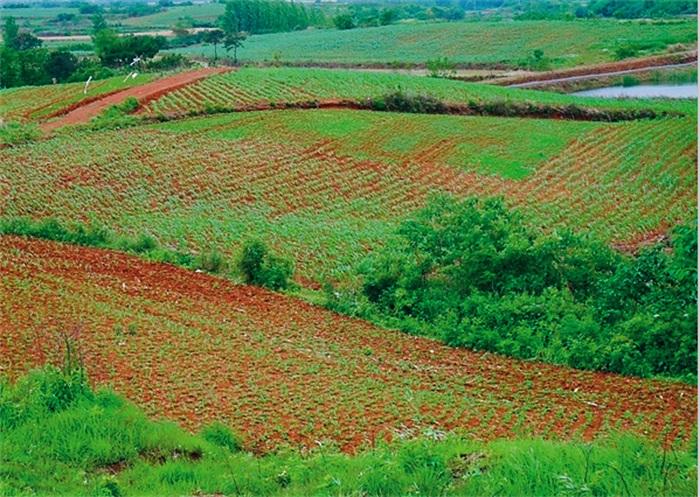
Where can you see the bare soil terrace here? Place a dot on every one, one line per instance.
(194, 348)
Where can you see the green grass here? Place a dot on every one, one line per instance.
(58, 437)
(567, 44)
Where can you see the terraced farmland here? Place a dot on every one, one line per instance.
(294, 179)
(195, 348)
(250, 86)
(37, 103)
(567, 43)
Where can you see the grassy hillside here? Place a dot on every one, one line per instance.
(567, 44)
(280, 371)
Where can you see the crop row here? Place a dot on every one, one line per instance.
(565, 44)
(36, 103)
(250, 86)
(195, 348)
(211, 182)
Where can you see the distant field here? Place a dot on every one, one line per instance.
(281, 85)
(206, 13)
(566, 43)
(322, 197)
(36, 103)
(194, 348)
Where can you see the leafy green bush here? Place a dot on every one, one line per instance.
(399, 101)
(475, 274)
(117, 116)
(259, 267)
(211, 261)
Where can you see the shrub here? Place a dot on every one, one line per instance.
(259, 267)
(398, 101)
(344, 21)
(211, 261)
(476, 275)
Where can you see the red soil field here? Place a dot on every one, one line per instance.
(143, 93)
(195, 348)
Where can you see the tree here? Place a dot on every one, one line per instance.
(27, 41)
(61, 64)
(10, 30)
(98, 23)
(387, 17)
(234, 41)
(214, 37)
(344, 21)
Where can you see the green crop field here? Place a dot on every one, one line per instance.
(272, 279)
(324, 186)
(249, 86)
(567, 44)
(206, 13)
(37, 103)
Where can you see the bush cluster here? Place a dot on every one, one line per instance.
(259, 267)
(475, 274)
(255, 263)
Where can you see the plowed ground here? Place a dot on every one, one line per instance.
(195, 348)
(143, 93)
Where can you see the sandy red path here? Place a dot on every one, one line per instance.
(144, 94)
(195, 348)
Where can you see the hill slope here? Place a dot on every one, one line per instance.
(195, 348)
(325, 186)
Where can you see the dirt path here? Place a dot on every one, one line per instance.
(542, 82)
(582, 73)
(144, 93)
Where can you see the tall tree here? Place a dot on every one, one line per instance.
(10, 31)
(234, 41)
(214, 37)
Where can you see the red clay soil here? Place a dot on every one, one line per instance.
(638, 64)
(144, 94)
(196, 348)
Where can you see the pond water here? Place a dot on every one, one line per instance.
(689, 90)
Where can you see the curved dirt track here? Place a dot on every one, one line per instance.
(144, 94)
(570, 79)
(195, 348)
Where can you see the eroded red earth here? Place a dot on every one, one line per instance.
(195, 348)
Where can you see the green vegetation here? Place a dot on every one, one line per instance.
(259, 267)
(59, 437)
(565, 44)
(17, 133)
(268, 16)
(37, 103)
(282, 85)
(93, 235)
(476, 275)
(23, 60)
